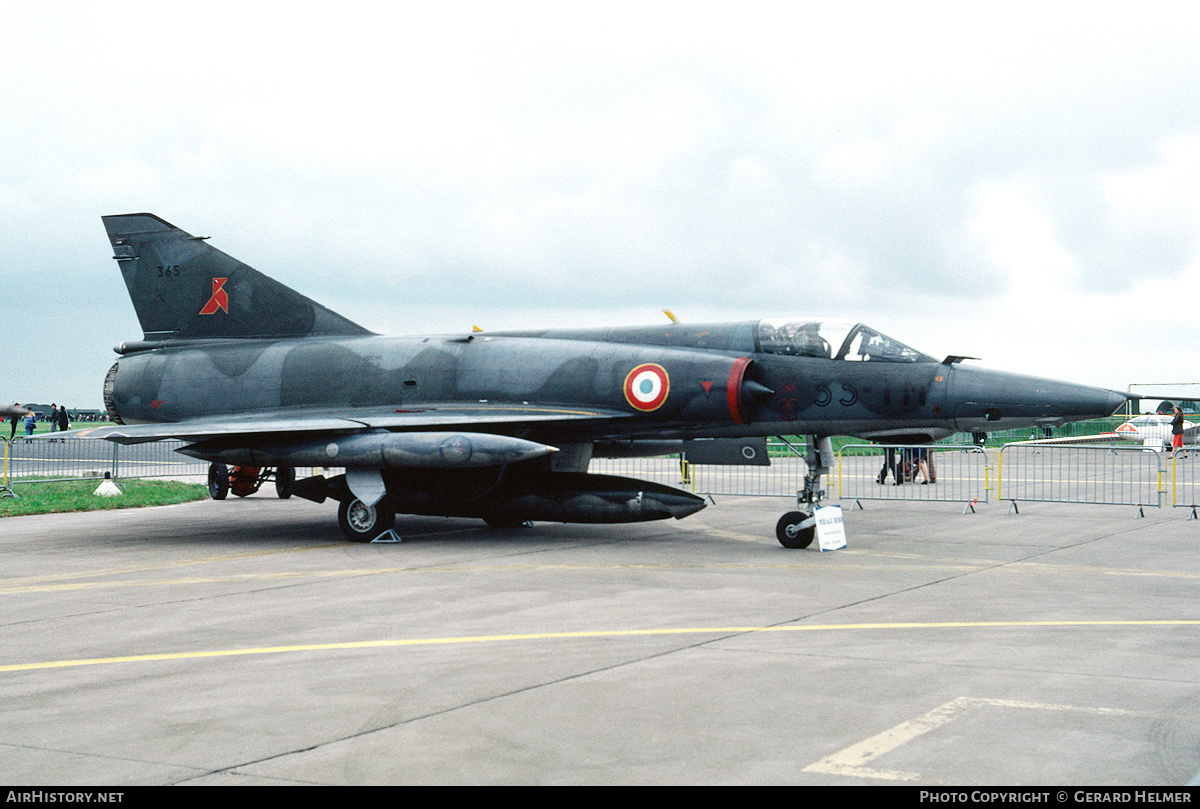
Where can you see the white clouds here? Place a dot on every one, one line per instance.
(1019, 238)
(127, 178)
(1172, 185)
(1154, 214)
(559, 163)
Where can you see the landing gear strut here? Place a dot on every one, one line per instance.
(796, 529)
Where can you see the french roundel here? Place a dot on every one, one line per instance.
(647, 386)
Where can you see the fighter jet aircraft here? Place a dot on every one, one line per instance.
(502, 425)
(1156, 430)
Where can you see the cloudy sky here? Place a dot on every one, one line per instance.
(1019, 183)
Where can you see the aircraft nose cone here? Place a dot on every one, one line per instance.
(1115, 400)
(1083, 402)
(994, 400)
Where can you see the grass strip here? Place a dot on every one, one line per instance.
(77, 495)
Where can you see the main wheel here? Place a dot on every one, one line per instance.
(285, 476)
(218, 481)
(362, 523)
(796, 529)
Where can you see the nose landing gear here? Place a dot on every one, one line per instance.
(796, 529)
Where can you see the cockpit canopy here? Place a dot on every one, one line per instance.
(833, 339)
(1150, 421)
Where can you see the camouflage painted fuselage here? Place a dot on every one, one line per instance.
(502, 425)
(713, 391)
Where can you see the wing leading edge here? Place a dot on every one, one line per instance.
(340, 421)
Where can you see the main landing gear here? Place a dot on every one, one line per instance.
(796, 529)
(246, 480)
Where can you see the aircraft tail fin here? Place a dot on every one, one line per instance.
(184, 289)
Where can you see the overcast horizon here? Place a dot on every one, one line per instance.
(1023, 187)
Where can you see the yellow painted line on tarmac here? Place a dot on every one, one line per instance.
(693, 525)
(65, 583)
(53, 585)
(854, 759)
(1018, 566)
(186, 580)
(11, 584)
(950, 564)
(599, 633)
(1107, 571)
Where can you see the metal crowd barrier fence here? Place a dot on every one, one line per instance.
(661, 469)
(44, 460)
(782, 478)
(1107, 475)
(957, 473)
(1112, 475)
(1183, 471)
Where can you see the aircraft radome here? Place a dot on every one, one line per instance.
(502, 425)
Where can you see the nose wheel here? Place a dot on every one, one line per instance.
(796, 529)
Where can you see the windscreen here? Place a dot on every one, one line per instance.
(833, 339)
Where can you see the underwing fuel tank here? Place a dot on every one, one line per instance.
(572, 497)
(579, 497)
(433, 450)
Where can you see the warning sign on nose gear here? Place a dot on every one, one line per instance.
(831, 532)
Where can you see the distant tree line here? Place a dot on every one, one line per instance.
(42, 412)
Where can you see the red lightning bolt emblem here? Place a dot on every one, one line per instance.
(219, 299)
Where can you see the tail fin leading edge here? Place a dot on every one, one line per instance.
(184, 289)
